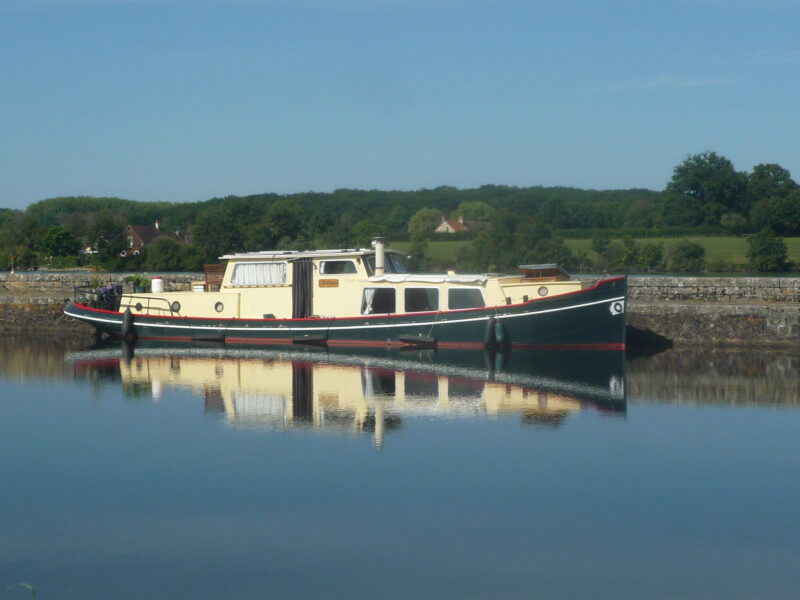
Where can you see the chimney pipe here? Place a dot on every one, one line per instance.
(380, 255)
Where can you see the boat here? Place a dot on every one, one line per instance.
(366, 297)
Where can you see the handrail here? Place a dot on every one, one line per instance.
(147, 308)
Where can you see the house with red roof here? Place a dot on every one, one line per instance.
(138, 236)
(457, 226)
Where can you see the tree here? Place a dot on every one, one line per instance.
(779, 214)
(424, 221)
(419, 253)
(364, 231)
(687, 257)
(555, 213)
(192, 258)
(58, 241)
(107, 234)
(217, 231)
(650, 256)
(474, 210)
(601, 240)
(769, 181)
(512, 242)
(642, 213)
(285, 219)
(704, 187)
(163, 254)
(766, 251)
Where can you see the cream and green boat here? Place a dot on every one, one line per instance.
(366, 297)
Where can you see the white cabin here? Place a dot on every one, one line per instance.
(344, 283)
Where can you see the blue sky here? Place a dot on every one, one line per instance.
(184, 100)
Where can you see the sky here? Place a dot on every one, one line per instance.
(185, 100)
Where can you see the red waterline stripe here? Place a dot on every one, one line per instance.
(276, 341)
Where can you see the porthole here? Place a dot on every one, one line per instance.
(138, 307)
(543, 290)
(219, 307)
(175, 306)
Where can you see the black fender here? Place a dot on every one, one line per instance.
(127, 323)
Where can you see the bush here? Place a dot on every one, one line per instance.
(650, 256)
(686, 257)
(64, 262)
(766, 251)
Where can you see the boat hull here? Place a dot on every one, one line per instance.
(590, 318)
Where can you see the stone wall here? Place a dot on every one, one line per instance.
(718, 310)
(61, 284)
(761, 311)
(727, 290)
(34, 300)
(715, 323)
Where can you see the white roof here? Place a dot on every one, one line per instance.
(416, 278)
(292, 254)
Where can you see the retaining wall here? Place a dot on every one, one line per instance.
(718, 310)
(34, 300)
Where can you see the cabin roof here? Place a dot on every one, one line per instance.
(293, 254)
(422, 278)
(546, 266)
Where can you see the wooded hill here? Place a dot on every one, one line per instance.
(705, 195)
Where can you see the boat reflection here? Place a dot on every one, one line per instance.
(375, 393)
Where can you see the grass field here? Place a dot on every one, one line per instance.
(719, 250)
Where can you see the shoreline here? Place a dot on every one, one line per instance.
(732, 311)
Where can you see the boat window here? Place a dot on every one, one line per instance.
(465, 298)
(398, 263)
(337, 267)
(378, 301)
(393, 263)
(422, 299)
(263, 273)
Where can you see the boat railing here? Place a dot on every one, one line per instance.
(106, 297)
(150, 304)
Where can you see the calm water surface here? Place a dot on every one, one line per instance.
(296, 473)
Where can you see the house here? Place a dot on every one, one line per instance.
(457, 226)
(138, 236)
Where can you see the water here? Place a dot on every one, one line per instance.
(297, 473)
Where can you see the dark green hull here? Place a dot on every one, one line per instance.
(593, 318)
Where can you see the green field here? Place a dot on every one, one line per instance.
(719, 250)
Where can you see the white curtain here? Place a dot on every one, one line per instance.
(366, 304)
(266, 273)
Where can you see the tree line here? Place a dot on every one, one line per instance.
(510, 225)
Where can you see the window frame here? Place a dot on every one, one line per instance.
(464, 288)
(377, 288)
(420, 287)
(265, 262)
(322, 264)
